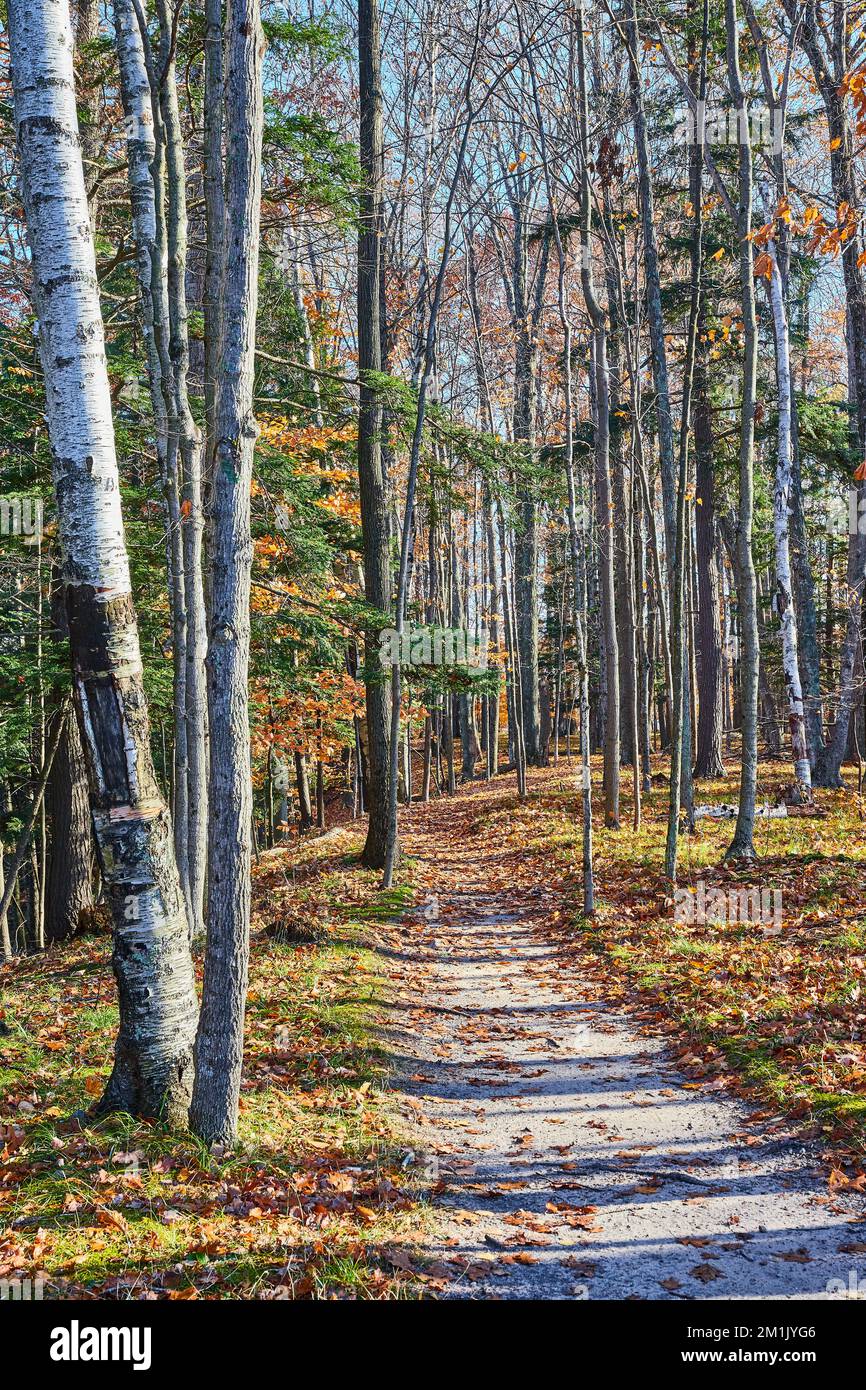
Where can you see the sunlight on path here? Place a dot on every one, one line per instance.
(571, 1160)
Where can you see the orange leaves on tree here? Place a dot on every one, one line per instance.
(853, 85)
(305, 446)
(311, 722)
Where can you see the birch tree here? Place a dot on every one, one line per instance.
(157, 185)
(783, 598)
(153, 1055)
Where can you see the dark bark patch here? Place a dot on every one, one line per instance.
(94, 625)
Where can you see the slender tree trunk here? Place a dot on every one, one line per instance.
(829, 51)
(601, 380)
(655, 315)
(526, 549)
(371, 474)
(70, 869)
(804, 599)
(620, 534)
(407, 533)
(574, 537)
(25, 838)
(708, 762)
(153, 968)
(189, 460)
(214, 199)
(219, 1045)
(742, 846)
(493, 600)
(85, 19)
(320, 794)
(157, 182)
(69, 873)
(645, 666)
(681, 747)
(5, 938)
(302, 783)
(781, 512)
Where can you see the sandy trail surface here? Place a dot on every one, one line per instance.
(570, 1157)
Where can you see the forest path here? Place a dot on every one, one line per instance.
(570, 1158)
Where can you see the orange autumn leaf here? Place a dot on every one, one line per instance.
(107, 1217)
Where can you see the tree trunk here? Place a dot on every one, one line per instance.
(71, 864)
(655, 315)
(69, 881)
(784, 602)
(829, 52)
(681, 743)
(153, 968)
(601, 382)
(189, 463)
(526, 551)
(804, 599)
(302, 783)
(577, 567)
(371, 473)
(157, 180)
(219, 1046)
(742, 846)
(708, 762)
(621, 533)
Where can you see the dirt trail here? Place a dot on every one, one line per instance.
(573, 1160)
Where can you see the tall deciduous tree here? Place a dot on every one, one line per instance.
(157, 185)
(742, 845)
(153, 1056)
(219, 1046)
(601, 380)
(371, 471)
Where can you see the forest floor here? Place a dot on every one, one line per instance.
(308, 1203)
(629, 1108)
(463, 1089)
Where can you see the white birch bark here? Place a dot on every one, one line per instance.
(190, 448)
(153, 968)
(145, 145)
(781, 525)
(157, 181)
